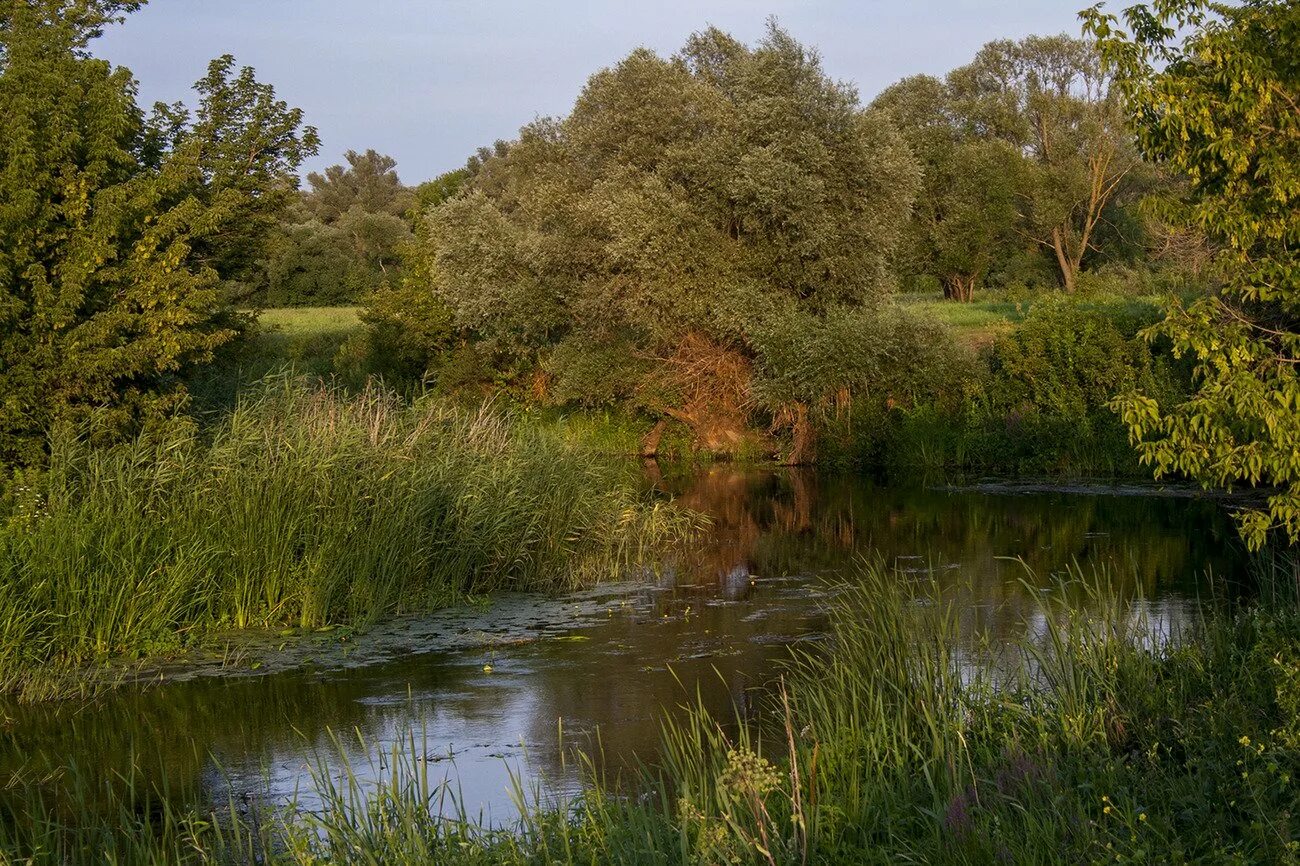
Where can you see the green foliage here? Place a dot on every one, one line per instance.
(117, 232)
(1066, 360)
(680, 200)
(303, 507)
(346, 237)
(1219, 107)
(434, 192)
(1025, 154)
(966, 215)
(885, 354)
(1027, 390)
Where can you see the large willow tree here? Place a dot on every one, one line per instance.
(1222, 108)
(119, 233)
(634, 248)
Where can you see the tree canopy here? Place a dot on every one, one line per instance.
(344, 237)
(684, 202)
(1221, 106)
(119, 232)
(1026, 144)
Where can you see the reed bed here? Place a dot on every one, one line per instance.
(304, 507)
(898, 742)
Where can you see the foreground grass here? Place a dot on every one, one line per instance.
(1087, 743)
(303, 507)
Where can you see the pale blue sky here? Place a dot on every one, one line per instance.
(428, 82)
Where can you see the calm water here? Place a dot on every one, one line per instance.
(719, 620)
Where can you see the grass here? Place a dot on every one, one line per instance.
(306, 339)
(974, 324)
(303, 507)
(1086, 742)
(978, 323)
(308, 321)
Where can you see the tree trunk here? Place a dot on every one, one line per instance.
(803, 448)
(959, 288)
(1069, 269)
(650, 443)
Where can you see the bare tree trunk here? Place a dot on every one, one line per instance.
(1069, 270)
(650, 442)
(803, 448)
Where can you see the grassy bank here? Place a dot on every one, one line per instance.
(308, 339)
(1025, 389)
(303, 507)
(894, 744)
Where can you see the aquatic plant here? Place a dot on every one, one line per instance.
(304, 507)
(1085, 742)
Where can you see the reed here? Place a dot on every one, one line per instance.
(304, 507)
(900, 741)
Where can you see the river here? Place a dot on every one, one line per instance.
(511, 687)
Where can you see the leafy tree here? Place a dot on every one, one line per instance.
(346, 237)
(369, 183)
(1221, 106)
(807, 361)
(1050, 99)
(117, 231)
(966, 213)
(434, 192)
(680, 202)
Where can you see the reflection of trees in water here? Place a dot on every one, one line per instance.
(994, 551)
(173, 732)
(765, 525)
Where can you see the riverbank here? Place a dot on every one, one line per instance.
(1019, 385)
(892, 741)
(303, 508)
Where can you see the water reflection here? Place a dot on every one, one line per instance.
(716, 621)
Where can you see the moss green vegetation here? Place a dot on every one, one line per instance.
(1087, 742)
(121, 230)
(303, 507)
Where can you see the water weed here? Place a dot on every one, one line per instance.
(304, 507)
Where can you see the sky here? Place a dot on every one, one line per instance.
(429, 82)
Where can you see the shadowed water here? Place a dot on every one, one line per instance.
(512, 686)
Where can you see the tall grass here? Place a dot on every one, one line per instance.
(898, 742)
(1090, 742)
(304, 507)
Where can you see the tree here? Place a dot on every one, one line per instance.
(345, 238)
(1221, 107)
(369, 183)
(1050, 99)
(117, 231)
(682, 200)
(966, 213)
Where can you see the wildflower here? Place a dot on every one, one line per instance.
(748, 770)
